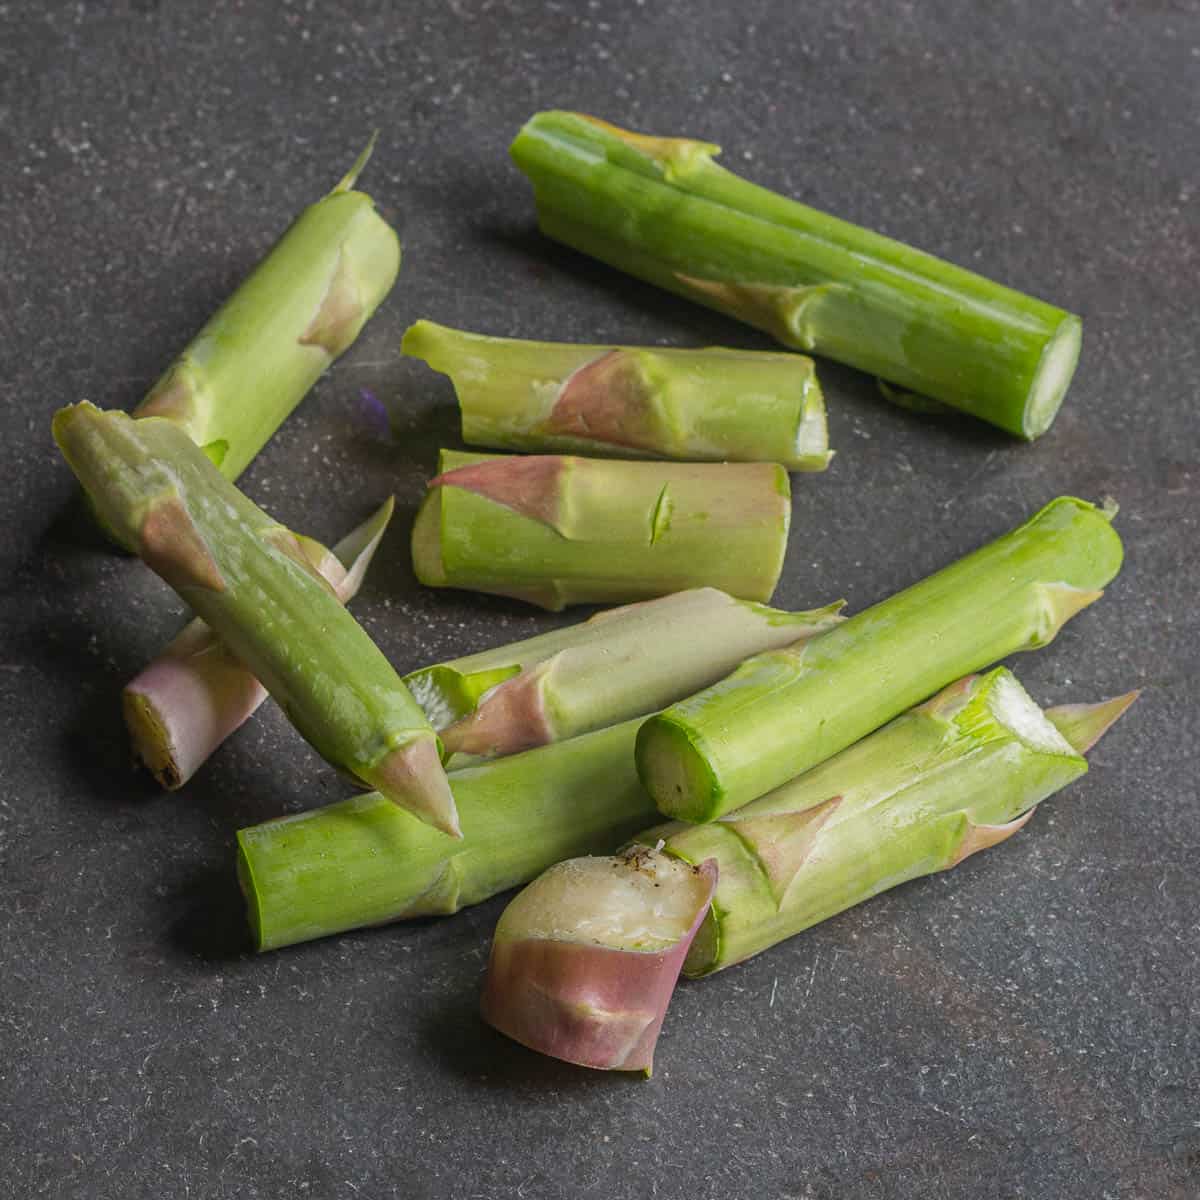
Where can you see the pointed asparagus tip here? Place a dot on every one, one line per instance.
(983, 837)
(347, 181)
(412, 777)
(528, 484)
(356, 550)
(1083, 725)
(174, 548)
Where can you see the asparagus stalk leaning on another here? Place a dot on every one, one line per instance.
(661, 209)
(712, 405)
(555, 530)
(363, 861)
(254, 584)
(784, 711)
(302, 306)
(182, 706)
(620, 663)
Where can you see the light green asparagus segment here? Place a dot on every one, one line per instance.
(619, 664)
(364, 862)
(556, 530)
(661, 209)
(255, 584)
(956, 775)
(783, 711)
(712, 405)
(302, 306)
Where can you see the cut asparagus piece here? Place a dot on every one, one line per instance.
(364, 861)
(585, 959)
(302, 306)
(254, 583)
(661, 209)
(960, 773)
(182, 706)
(555, 530)
(784, 711)
(621, 663)
(711, 405)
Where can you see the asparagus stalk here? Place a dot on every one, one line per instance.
(585, 959)
(960, 773)
(364, 862)
(302, 306)
(661, 209)
(559, 530)
(712, 405)
(252, 581)
(784, 711)
(185, 703)
(620, 663)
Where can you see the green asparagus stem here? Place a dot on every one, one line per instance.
(661, 209)
(364, 862)
(958, 774)
(255, 583)
(559, 530)
(302, 306)
(710, 405)
(782, 712)
(619, 664)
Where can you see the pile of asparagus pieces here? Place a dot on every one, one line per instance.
(804, 761)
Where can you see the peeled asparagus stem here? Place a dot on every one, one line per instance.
(555, 530)
(711, 405)
(783, 711)
(185, 703)
(618, 664)
(256, 585)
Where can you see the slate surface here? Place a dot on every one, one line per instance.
(1023, 1027)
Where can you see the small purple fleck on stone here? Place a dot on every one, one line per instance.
(374, 413)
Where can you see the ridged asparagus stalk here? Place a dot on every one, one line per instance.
(783, 711)
(302, 306)
(182, 706)
(364, 861)
(252, 581)
(620, 663)
(958, 774)
(710, 405)
(558, 530)
(661, 209)
(585, 959)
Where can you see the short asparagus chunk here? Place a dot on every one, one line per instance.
(558, 530)
(662, 209)
(185, 703)
(712, 405)
(783, 711)
(619, 664)
(303, 305)
(257, 586)
(364, 861)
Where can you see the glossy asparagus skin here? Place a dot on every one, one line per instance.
(960, 773)
(254, 583)
(301, 307)
(661, 209)
(783, 711)
(184, 704)
(555, 530)
(364, 861)
(621, 663)
(710, 405)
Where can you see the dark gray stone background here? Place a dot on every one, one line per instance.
(1025, 1026)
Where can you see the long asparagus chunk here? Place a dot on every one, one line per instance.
(302, 306)
(711, 405)
(585, 959)
(661, 209)
(363, 861)
(784, 711)
(254, 583)
(618, 664)
(185, 703)
(958, 774)
(556, 530)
